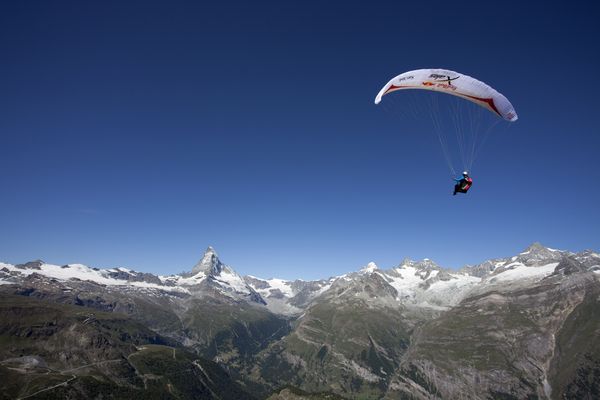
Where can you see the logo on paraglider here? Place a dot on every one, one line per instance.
(443, 78)
(405, 78)
(441, 81)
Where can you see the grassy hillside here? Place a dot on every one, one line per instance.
(63, 351)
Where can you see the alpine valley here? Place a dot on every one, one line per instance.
(522, 327)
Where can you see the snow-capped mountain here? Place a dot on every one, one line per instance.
(415, 283)
(211, 274)
(12, 274)
(372, 332)
(288, 297)
(208, 274)
(411, 326)
(424, 283)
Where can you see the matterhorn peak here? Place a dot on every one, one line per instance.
(209, 264)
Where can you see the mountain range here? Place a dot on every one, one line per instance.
(525, 326)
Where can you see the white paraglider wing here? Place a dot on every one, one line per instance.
(454, 83)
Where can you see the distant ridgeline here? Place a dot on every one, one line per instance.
(526, 326)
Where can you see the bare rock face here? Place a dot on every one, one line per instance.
(507, 344)
(31, 265)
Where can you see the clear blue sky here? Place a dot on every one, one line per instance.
(137, 133)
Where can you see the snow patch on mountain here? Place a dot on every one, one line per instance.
(518, 271)
(447, 293)
(230, 279)
(324, 288)
(288, 297)
(369, 268)
(5, 274)
(83, 273)
(281, 285)
(176, 280)
(405, 280)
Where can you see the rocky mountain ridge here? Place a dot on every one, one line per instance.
(402, 332)
(411, 279)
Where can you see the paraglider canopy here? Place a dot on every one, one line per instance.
(464, 110)
(453, 83)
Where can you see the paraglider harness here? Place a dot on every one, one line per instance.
(463, 185)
